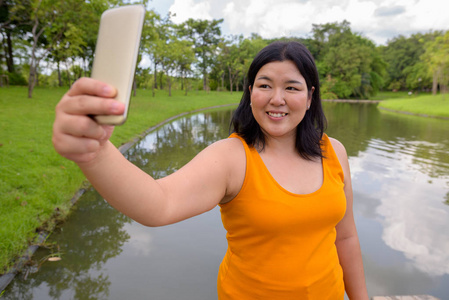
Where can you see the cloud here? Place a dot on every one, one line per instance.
(376, 20)
(275, 18)
(384, 11)
(373, 19)
(186, 9)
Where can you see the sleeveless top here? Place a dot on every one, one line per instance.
(281, 245)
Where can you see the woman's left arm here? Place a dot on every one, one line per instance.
(347, 240)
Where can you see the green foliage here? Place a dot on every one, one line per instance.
(16, 79)
(436, 58)
(349, 65)
(404, 59)
(204, 36)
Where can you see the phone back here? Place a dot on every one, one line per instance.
(116, 54)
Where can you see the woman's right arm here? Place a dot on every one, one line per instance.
(196, 188)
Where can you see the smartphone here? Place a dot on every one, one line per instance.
(116, 54)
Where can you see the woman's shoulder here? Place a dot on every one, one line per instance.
(339, 148)
(231, 148)
(231, 153)
(342, 156)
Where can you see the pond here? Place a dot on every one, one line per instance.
(400, 171)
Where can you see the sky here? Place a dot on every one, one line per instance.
(378, 20)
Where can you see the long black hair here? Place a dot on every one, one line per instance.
(310, 130)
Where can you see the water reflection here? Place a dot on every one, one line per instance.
(92, 236)
(400, 170)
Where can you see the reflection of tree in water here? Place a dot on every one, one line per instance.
(173, 145)
(92, 235)
(424, 139)
(446, 199)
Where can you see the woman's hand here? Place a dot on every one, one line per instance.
(76, 135)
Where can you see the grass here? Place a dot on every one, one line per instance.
(388, 95)
(36, 184)
(428, 105)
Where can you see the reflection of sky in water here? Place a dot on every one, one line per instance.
(198, 122)
(394, 191)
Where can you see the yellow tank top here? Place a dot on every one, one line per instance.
(281, 245)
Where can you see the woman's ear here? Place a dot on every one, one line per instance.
(249, 88)
(309, 101)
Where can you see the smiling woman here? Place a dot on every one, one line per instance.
(284, 187)
(279, 98)
(286, 72)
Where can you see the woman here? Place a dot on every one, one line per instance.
(283, 186)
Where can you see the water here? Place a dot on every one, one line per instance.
(400, 171)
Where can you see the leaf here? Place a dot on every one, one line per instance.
(55, 258)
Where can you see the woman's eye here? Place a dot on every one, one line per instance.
(291, 88)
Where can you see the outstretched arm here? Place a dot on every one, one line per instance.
(197, 187)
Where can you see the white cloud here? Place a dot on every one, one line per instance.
(378, 20)
(185, 9)
(274, 18)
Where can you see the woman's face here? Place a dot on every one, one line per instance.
(279, 99)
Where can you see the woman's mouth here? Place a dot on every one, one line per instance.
(276, 115)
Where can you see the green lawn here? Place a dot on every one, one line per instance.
(428, 105)
(36, 184)
(388, 95)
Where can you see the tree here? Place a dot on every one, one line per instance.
(155, 33)
(349, 64)
(48, 26)
(436, 57)
(205, 36)
(14, 21)
(78, 42)
(401, 54)
(177, 57)
(248, 49)
(230, 59)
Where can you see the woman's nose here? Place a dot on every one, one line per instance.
(278, 97)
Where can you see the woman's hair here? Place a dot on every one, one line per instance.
(310, 130)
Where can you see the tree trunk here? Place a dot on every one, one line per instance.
(9, 54)
(169, 85)
(59, 74)
(36, 78)
(204, 81)
(32, 75)
(69, 78)
(134, 87)
(230, 80)
(155, 76)
(222, 81)
(435, 83)
(33, 60)
(31, 80)
(161, 75)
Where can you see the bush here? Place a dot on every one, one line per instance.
(16, 79)
(328, 96)
(213, 85)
